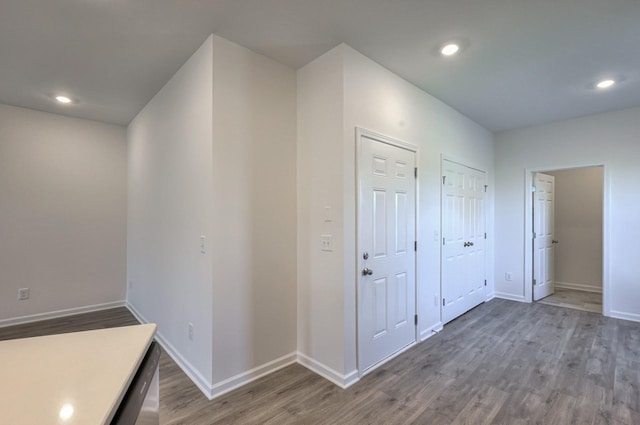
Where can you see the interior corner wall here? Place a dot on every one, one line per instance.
(62, 214)
(610, 139)
(578, 228)
(170, 205)
(254, 214)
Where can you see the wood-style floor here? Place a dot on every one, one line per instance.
(579, 300)
(502, 363)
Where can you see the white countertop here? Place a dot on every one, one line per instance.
(74, 378)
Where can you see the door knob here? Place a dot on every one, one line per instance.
(554, 241)
(367, 272)
(470, 243)
(466, 244)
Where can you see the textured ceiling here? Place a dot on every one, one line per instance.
(525, 62)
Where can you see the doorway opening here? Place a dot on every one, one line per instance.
(567, 245)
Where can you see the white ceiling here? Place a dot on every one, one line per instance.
(526, 62)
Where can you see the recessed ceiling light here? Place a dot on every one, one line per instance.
(605, 84)
(66, 412)
(63, 99)
(450, 49)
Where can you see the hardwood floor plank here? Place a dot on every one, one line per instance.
(626, 386)
(584, 412)
(482, 408)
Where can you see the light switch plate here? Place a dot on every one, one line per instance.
(327, 214)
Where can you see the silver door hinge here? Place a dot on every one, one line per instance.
(442, 241)
(415, 172)
(443, 302)
(485, 282)
(485, 187)
(415, 319)
(533, 188)
(485, 236)
(534, 282)
(534, 235)
(444, 178)
(415, 246)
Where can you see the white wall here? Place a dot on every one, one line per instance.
(170, 205)
(344, 88)
(62, 213)
(254, 212)
(578, 228)
(611, 139)
(378, 100)
(320, 176)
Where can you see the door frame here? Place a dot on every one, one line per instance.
(468, 164)
(528, 221)
(360, 133)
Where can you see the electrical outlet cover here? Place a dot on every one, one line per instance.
(23, 293)
(326, 243)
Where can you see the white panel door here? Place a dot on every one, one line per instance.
(543, 232)
(386, 257)
(463, 239)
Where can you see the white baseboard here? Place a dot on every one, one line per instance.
(625, 316)
(196, 377)
(511, 297)
(59, 313)
(244, 378)
(490, 296)
(343, 381)
(430, 331)
(210, 390)
(579, 287)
